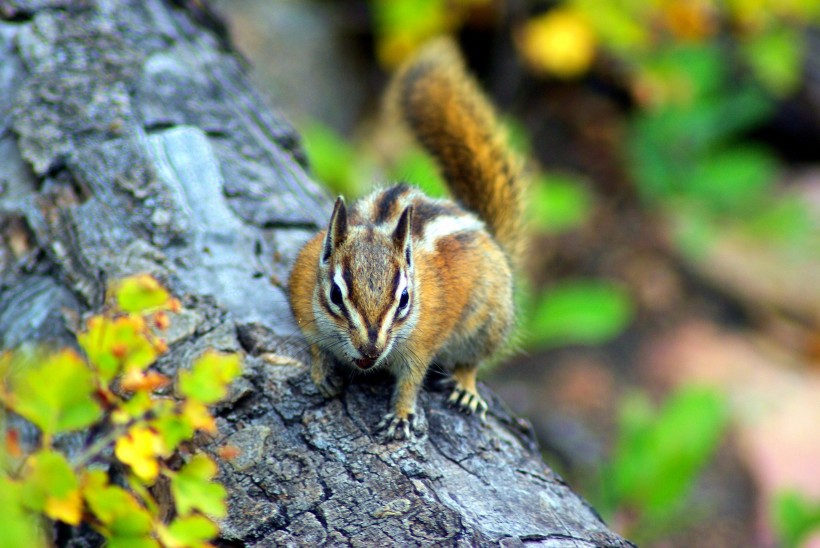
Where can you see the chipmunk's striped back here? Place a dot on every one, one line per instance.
(433, 219)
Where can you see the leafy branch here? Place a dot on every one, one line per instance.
(112, 389)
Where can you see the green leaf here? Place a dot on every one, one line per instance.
(118, 541)
(193, 489)
(735, 180)
(119, 513)
(695, 70)
(416, 17)
(54, 391)
(776, 57)
(617, 23)
(192, 530)
(114, 344)
(19, 527)
(658, 456)
(51, 487)
(795, 518)
(559, 203)
(141, 294)
(208, 379)
(173, 429)
(137, 406)
(584, 311)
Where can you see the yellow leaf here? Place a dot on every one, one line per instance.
(199, 417)
(68, 509)
(140, 448)
(559, 42)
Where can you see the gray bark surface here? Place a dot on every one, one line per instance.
(131, 141)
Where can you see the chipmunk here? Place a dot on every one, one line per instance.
(400, 280)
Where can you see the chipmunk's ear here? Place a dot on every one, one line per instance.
(401, 236)
(336, 230)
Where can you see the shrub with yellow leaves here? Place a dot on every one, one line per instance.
(113, 391)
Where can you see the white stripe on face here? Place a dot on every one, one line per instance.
(355, 315)
(402, 285)
(338, 279)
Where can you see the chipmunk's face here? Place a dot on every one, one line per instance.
(365, 289)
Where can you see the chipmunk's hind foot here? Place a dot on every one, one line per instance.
(465, 395)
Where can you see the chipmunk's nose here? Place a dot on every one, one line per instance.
(370, 353)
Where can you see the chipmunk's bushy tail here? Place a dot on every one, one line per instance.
(449, 115)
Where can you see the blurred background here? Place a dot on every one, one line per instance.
(670, 340)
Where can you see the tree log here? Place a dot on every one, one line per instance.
(131, 141)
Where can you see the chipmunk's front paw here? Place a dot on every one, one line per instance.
(400, 428)
(468, 401)
(329, 386)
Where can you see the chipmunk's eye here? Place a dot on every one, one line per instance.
(404, 299)
(336, 295)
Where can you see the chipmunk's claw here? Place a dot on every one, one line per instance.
(400, 428)
(468, 401)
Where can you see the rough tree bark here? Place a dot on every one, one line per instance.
(131, 141)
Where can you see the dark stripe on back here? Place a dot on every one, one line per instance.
(354, 215)
(426, 211)
(466, 238)
(385, 206)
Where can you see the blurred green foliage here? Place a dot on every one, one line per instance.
(658, 455)
(689, 156)
(690, 149)
(401, 26)
(332, 159)
(575, 312)
(418, 168)
(559, 203)
(776, 57)
(795, 518)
